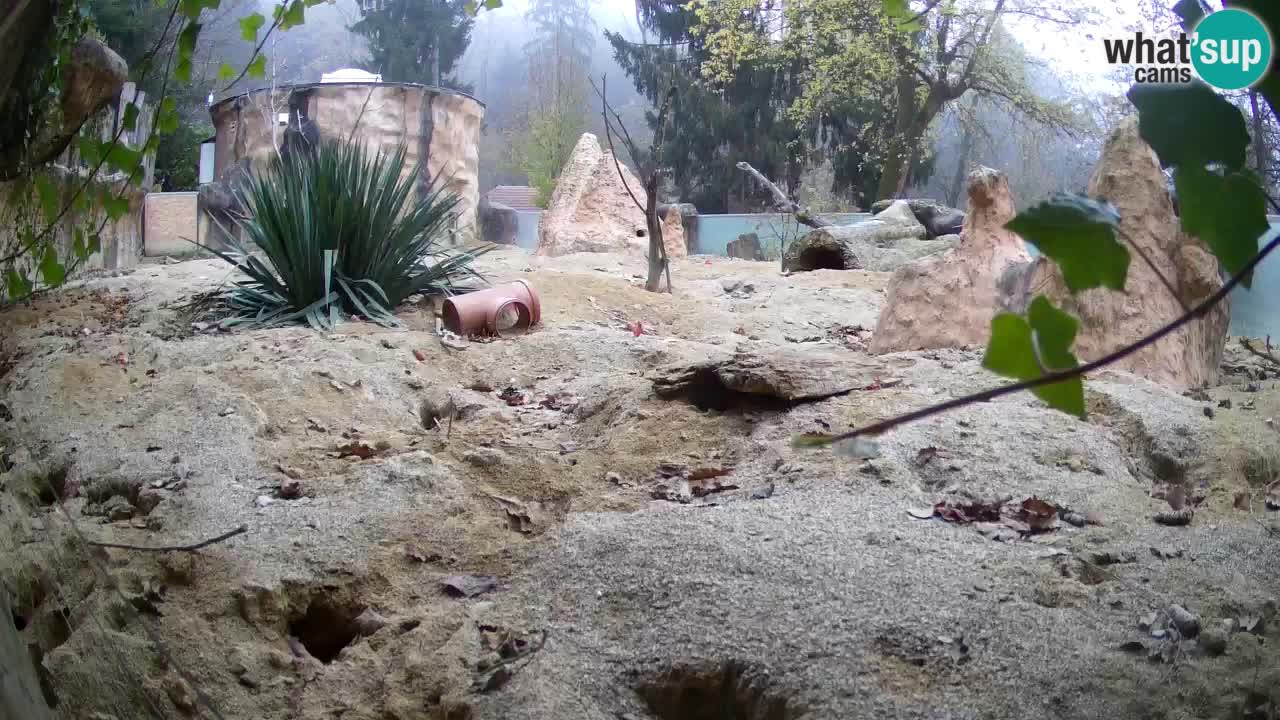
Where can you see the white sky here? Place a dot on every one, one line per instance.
(1071, 53)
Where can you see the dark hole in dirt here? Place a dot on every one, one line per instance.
(819, 259)
(52, 486)
(707, 392)
(326, 628)
(19, 622)
(640, 233)
(729, 691)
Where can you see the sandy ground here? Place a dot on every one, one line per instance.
(799, 587)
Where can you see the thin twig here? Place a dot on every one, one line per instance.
(986, 395)
(160, 647)
(1168, 285)
(175, 548)
(275, 24)
(608, 134)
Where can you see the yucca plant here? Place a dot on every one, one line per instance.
(341, 233)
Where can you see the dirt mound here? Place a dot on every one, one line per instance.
(529, 526)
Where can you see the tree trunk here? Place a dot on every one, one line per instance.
(899, 147)
(657, 248)
(962, 165)
(1262, 153)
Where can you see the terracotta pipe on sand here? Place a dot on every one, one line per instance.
(493, 311)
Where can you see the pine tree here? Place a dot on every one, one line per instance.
(417, 40)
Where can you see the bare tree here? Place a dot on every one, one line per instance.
(650, 169)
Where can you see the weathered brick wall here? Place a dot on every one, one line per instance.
(169, 224)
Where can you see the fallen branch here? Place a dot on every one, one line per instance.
(986, 395)
(780, 200)
(1264, 354)
(175, 548)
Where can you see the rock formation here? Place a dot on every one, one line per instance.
(884, 243)
(746, 247)
(948, 300)
(673, 236)
(688, 220)
(499, 224)
(938, 219)
(591, 210)
(1129, 177)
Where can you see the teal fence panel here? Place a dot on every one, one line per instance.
(715, 232)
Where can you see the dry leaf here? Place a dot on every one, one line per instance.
(1039, 515)
(465, 586)
(356, 449)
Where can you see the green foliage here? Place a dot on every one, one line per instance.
(542, 150)
(1037, 345)
(341, 233)
(1228, 212)
(1190, 125)
(405, 34)
(250, 25)
(1078, 234)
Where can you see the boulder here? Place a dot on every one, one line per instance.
(948, 299)
(688, 220)
(746, 247)
(673, 232)
(499, 224)
(1129, 176)
(938, 219)
(592, 211)
(883, 243)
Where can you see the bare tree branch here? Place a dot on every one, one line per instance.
(780, 199)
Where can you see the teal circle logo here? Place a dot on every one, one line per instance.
(1231, 49)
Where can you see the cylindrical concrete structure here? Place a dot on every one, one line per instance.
(439, 128)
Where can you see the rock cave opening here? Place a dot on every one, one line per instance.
(706, 391)
(819, 259)
(326, 627)
(722, 691)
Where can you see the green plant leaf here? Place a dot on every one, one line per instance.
(51, 270)
(17, 284)
(294, 15)
(186, 50)
(91, 149)
(1190, 125)
(130, 119)
(1079, 234)
(1191, 11)
(258, 68)
(168, 121)
(115, 207)
(1029, 348)
(123, 158)
(492, 4)
(1228, 212)
(250, 25)
(48, 198)
(191, 8)
(78, 247)
(226, 73)
(900, 10)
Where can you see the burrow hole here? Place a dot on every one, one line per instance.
(707, 392)
(326, 627)
(722, 691)
(820, 259)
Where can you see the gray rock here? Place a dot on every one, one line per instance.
(499, 224)
(485, 457)
(872, 245)
(937, 219)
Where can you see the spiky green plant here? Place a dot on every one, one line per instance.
(341, 232)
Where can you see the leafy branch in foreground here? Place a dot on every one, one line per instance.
(1203, 138)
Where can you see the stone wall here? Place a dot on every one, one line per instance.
(170, 225)
(439, 128)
